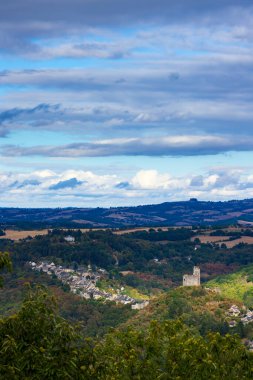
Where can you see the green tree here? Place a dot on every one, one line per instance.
(38, 344)
(5, 263)
(170, 351)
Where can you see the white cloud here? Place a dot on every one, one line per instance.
(86, 188)
(150, 179)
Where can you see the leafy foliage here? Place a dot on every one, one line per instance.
(96, 317)
(37, 344)
(169, 350)
(5, 263)
(200, 310)
(237, 286)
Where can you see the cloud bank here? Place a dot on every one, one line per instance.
(85, 188)
(152, 146)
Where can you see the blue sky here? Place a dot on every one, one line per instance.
(112, 102)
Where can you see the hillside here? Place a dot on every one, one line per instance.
(96, 317)
(184, 332)
(237, 286)
(36, 343)
(142, 265)
(186, 213)
(201, 310)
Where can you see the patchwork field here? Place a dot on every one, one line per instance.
(18, 235)
(210, 239)
(243, 239)
(128, 231)
(223, 239)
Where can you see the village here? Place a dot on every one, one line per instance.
(244, 317)
(83, 283)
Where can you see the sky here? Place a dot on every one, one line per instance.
(109, 103)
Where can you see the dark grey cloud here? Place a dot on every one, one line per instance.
(42, 115)
(222, 81)
(23, 20)
(109, 12)
(60, 118)
(14, 113)
(123, 185)
(156, 146)
(69, 183)
(22, 184)
(4, 131)
(197, 181)
(222, 78)
(29, 182)
(202, 100)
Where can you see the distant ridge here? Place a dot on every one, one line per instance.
(185, 213)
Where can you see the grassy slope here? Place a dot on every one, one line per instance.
(237, 286)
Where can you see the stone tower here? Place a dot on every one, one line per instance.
(192, 280)
(196, 272)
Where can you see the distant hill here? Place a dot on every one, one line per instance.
(186, 213)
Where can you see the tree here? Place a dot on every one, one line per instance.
(37, 344)
(5, 263)
(171, 351)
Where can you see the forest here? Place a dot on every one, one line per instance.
(182, 333)
(161, 257)
(36, 343)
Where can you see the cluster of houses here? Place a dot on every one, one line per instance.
(84, 283)
(245, 318)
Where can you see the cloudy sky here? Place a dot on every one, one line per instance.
(122, 102)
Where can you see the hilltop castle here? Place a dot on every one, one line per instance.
(192, 280)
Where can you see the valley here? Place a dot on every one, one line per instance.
(116, 285)
(136, 268)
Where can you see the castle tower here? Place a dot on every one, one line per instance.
(192, 280)
(196, 273)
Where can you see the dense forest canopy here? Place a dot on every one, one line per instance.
(165, 254)
(38, 344)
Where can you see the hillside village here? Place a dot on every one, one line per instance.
(244, 317)
(84, 283)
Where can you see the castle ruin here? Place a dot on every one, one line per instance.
(192, 279)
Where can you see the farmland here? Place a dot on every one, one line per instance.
(18, 235)
(24, 234)
(226, 239)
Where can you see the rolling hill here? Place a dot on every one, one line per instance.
(186, 213)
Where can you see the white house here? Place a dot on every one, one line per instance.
(69, 239)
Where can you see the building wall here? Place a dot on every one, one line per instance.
(192, 280)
